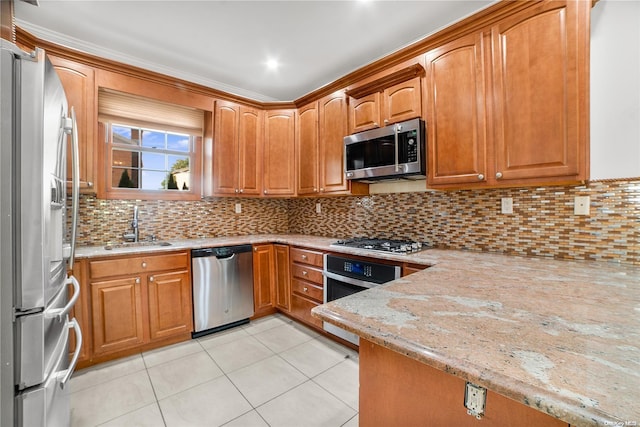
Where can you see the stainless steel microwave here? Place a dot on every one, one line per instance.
(394, 151)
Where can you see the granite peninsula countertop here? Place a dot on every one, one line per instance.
(560, 336)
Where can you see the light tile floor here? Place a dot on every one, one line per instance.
(271, 372)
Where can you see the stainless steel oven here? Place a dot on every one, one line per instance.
(344, 276)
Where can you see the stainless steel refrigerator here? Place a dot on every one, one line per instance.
(37, 240)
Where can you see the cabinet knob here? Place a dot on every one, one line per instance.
(265, 191)
(304, 256)
(305, 289)
(315, 189)
(321, 189)
(242, 190)
(236, 190)
(498, 175)
(137, 280)
(480, 177)
(376, 124)
(304, 273)
(144, 265)
(89, 184)
(151, 279)
(386, 121)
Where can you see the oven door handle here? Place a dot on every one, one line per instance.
(349, 280)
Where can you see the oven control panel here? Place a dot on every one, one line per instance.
(358, 268)
(364, 270)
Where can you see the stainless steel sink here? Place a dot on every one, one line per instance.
(136, 245)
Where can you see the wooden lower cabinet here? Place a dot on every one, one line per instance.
(306, 284)
(263, 280)
(135, 303)
(398, 391)
(283, 281)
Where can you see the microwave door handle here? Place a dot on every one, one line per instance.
(396, 128)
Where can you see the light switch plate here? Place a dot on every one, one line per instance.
(581, 205)
(318, 208)
(507, 205)
(238, 208)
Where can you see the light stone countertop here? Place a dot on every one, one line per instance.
(560, 336)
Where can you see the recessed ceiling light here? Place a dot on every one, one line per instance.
(272, 64)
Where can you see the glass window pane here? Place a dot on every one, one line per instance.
(125, 158)
(177, 142)
(154, 161)
(153, 180)
(125, 135)
(178, 163)
(125, 178)
(153, 139)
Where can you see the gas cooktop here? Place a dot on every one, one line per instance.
(383, 245)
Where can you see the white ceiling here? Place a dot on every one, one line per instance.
(225, 44)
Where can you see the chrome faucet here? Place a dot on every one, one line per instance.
(133, 237)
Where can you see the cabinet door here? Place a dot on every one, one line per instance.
(225, 148)
(364, 113)
(283, 283)
(78, 81)
(457, 137)
(540, 91)
(279, 153)
(307, 149)
(169, 304)
(263, 279)
(117, 314)
(332, 130)
(402, 101)
(250, 133)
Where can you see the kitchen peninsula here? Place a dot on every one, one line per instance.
(557, 336)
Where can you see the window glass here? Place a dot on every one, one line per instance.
(150, 159)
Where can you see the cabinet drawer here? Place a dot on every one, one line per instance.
(308, 289)
(306, 256)
(137, 264)
(307, 273)
(301, 308)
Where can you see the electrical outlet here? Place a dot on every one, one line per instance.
(238, 208)
(475, 400)
(318, 208)
(507, 205)
(581, 205)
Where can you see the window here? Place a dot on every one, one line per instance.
(150, 159)
(152, 149)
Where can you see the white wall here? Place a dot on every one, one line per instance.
(615, 89)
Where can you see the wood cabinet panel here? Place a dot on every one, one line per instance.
(250, 140)
(263, 279)
(364, 113)
(306, 272)
(538, 85)
(79, 85)
(307, 256)
(279, 153)
(307, 151)
(333, 127)
(402, 101)
(457, 135)
(308, 290)
(225, 148)
(169, 304)
(397, 390)
(117, 314)
(301, 310)
(282, 276)
(137, 264)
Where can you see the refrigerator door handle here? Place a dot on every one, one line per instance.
(75, 176)
(66, 374)
(61, 312)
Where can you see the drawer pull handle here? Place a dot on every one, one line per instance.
(144, 265)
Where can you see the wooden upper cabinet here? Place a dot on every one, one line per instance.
(456, 116)
(402, 101)
(279, 153)
(540, 77)
(307, 149)
(333, 127)
(78, 81)
(237, 149)
(392, 104)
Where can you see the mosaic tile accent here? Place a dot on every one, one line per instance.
(104, 221)
(542, 223)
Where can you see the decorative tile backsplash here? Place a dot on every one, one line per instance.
(542, 223)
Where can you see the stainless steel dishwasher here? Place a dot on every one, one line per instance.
(222, 288)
